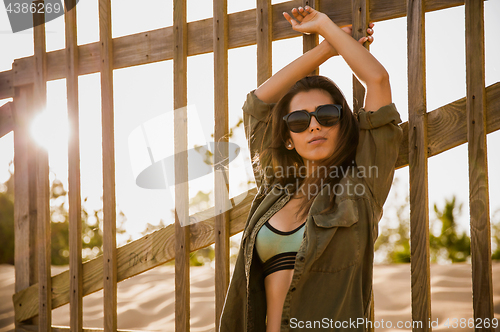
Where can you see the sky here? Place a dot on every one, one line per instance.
(143, 97)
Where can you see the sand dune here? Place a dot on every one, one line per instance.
(146, 302)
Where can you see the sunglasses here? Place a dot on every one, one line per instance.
(326, 115)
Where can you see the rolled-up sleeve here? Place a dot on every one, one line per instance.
(256, 120)
(378, 149)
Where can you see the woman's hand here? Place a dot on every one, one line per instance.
(307, 20)
(348, 30)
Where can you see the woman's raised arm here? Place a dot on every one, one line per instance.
(278, 85)
(363, 64)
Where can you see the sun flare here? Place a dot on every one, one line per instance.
(50, 129)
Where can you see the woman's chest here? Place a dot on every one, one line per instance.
(286, 218)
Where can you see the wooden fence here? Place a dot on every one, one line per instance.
(426, 134)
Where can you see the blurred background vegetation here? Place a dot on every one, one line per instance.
(448, 244)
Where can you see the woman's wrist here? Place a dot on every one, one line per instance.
(326, 25)
(327, 49)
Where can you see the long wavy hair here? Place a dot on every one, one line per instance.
(281, 159)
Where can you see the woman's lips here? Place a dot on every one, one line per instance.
(318, 141)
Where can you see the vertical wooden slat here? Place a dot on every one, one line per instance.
(311, 41)
(221, 227)
(417, 135)
(108, 168)
(360, 20)
(43, 186)
(482, 291)
(21, 189)
(75, 224)
(264, 40)
(182, 228)
(25, 216)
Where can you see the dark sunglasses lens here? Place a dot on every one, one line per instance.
(298, 121)
(328, 115)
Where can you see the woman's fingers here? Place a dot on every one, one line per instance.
(368, 39)
(290, 19)
(296, 13)
(310, 9)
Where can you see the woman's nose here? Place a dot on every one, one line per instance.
(314, 123)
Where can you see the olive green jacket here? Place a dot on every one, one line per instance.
(332, 279)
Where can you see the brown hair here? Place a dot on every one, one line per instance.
(279, 158)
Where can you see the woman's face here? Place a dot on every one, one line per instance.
(309, 148)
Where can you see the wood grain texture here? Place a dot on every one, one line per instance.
(221, 155)
(447, 125)
(182, 227)
(6, 119)
(7, 84)
(311, 41)
(74, 191)
(108, 168)
(360, 21)
(43, 186)
(136, 257)
(417, 141)
(155, 45)
(482, 289)
(25, 217)
(264, 40)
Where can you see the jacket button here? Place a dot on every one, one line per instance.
(285, 321)
(301, 258)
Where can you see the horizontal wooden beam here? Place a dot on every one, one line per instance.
(135, 257)
(447, 128)
(6, 120)
(155, 45)
(447, 125)
(7, 84)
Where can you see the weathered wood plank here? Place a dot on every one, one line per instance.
(264, 41)
(360, 21)
(221, 155)
(182, 227)
(417, 139)
(311, 41)
(6, 120)
(7, 84)
(155, 45)
(25, 216)
(21, 189)
(447, 125)
(108, 168)
(75, 224)
(43, 186)
(482, 289)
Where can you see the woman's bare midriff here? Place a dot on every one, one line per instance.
(278, 283)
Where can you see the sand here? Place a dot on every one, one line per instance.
(146, 302)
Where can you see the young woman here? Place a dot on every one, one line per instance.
(323, 175)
